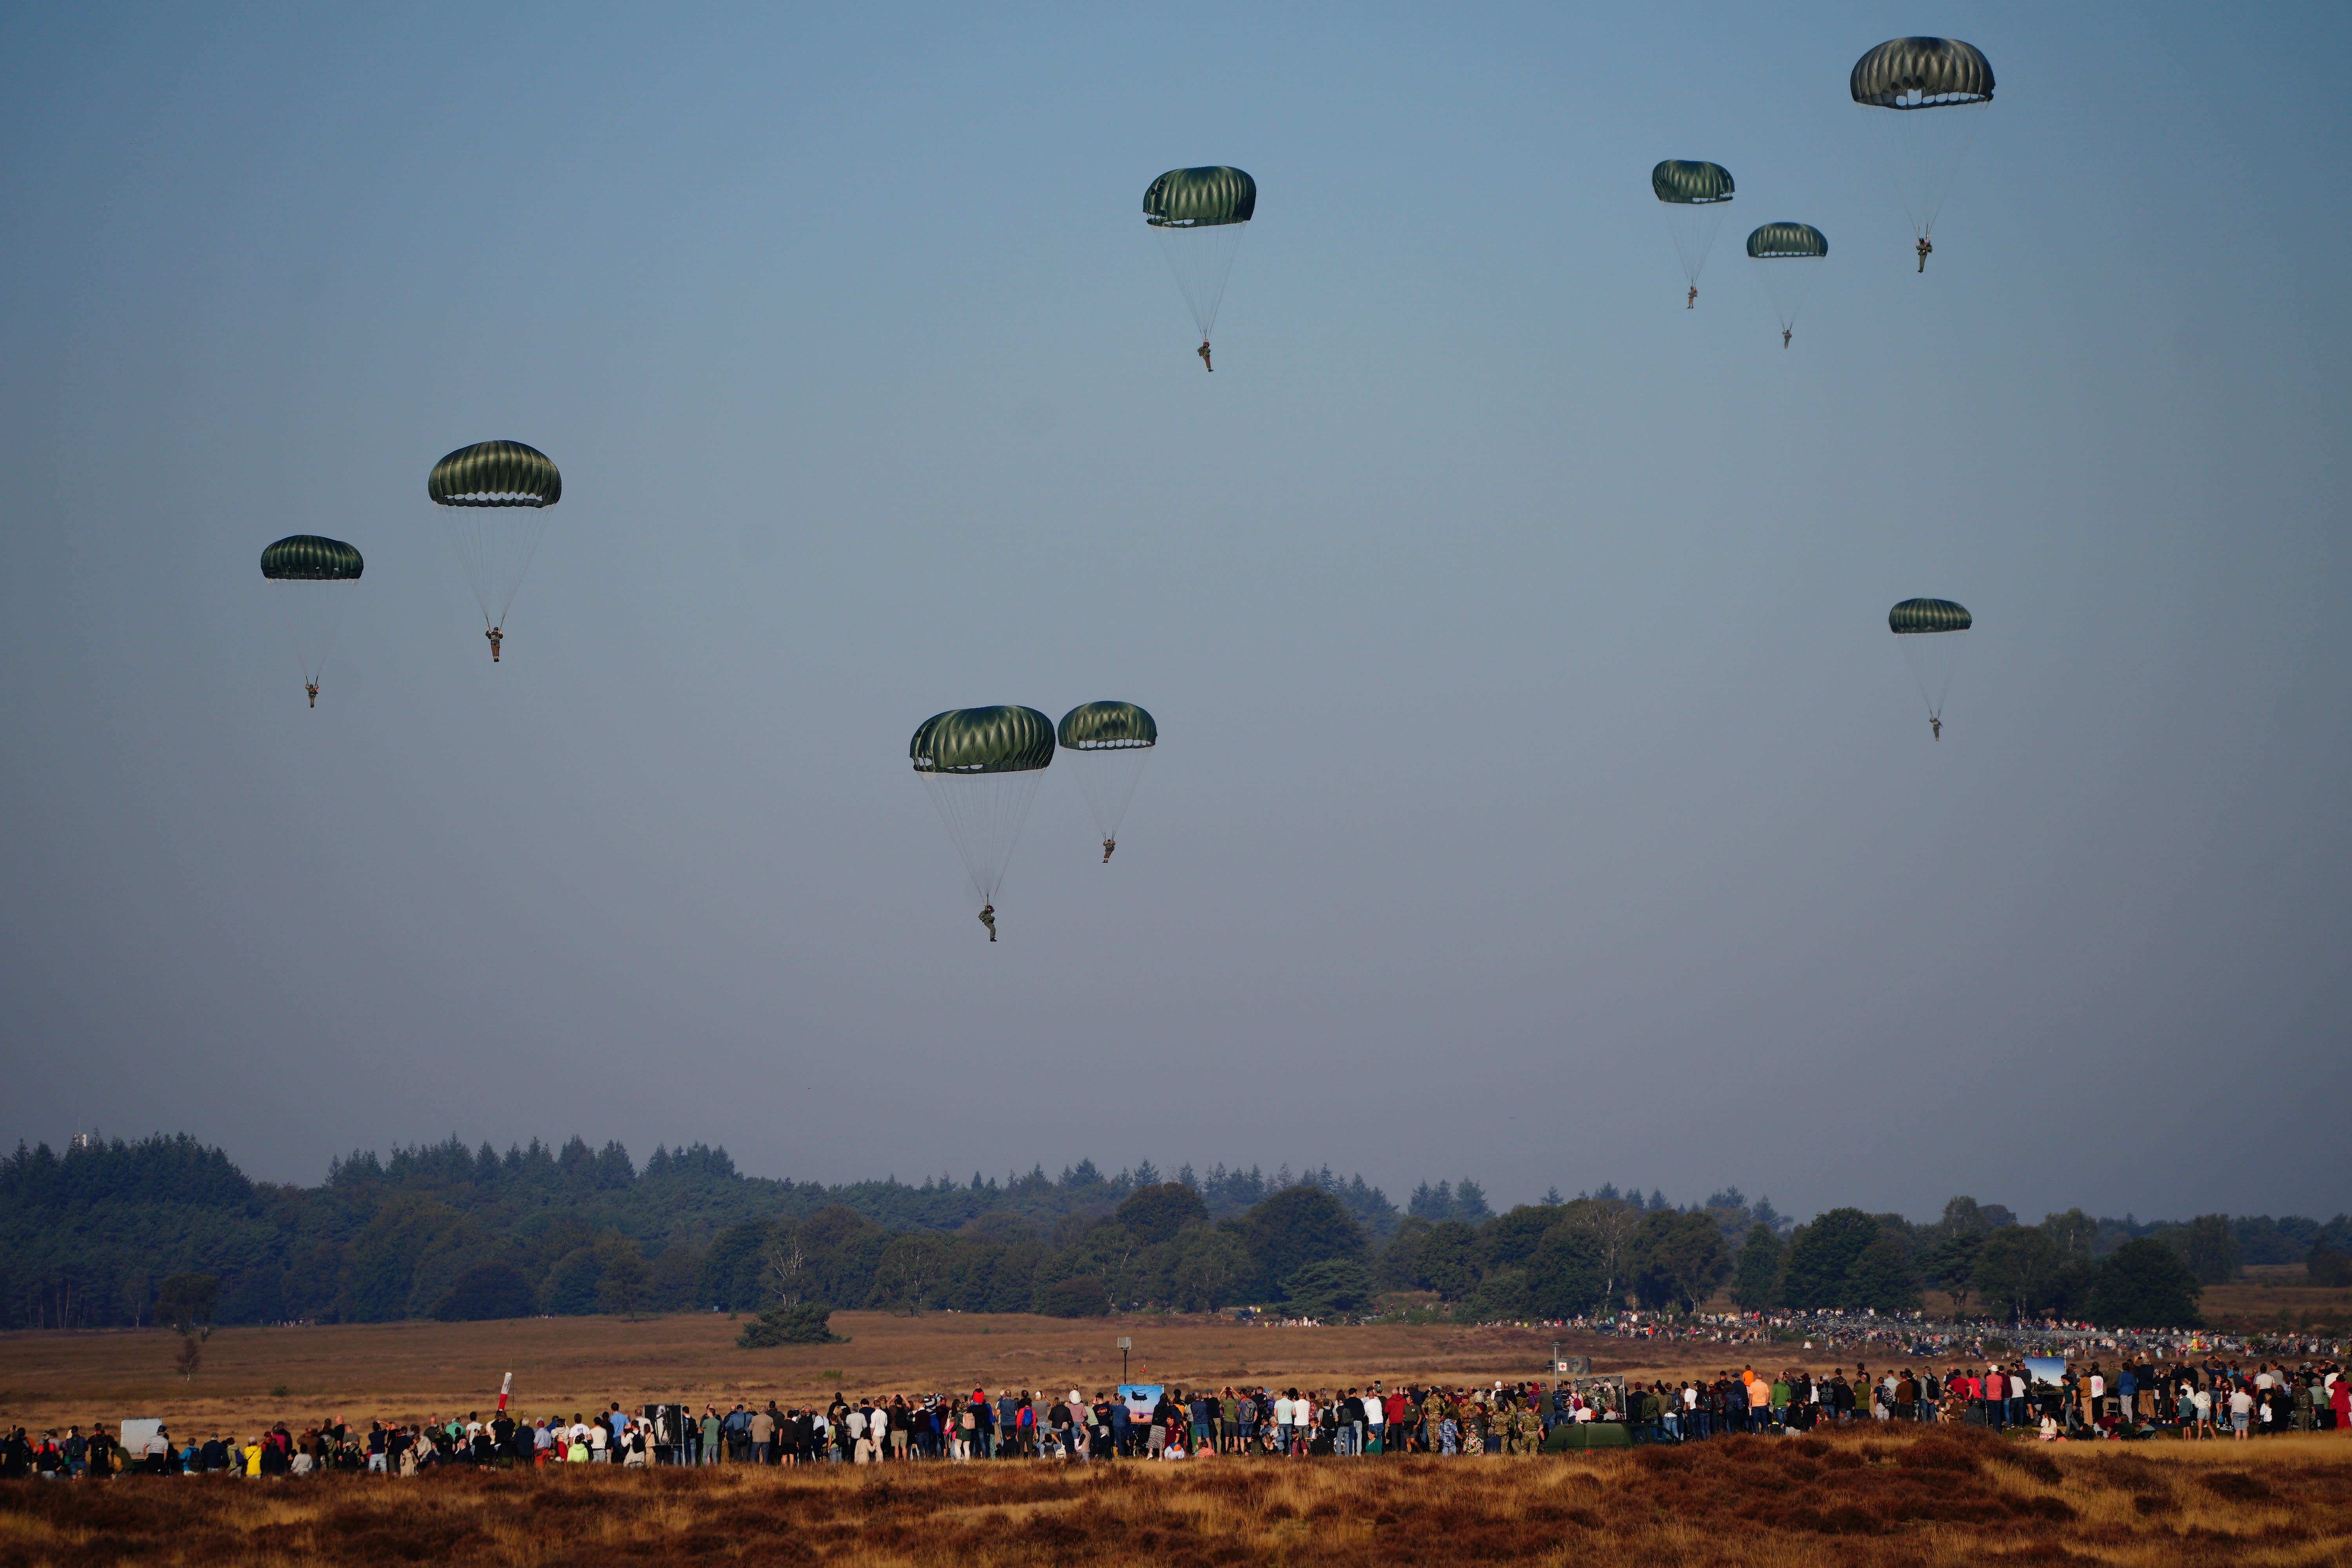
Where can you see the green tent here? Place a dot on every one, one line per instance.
(1577, 1436)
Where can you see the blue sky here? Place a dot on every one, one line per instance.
(1541, 796)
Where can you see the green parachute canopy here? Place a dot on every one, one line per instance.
(1933, 658)
(982, 767)
(1005, 740)
(1923, 152)
(1200, 215)
(493, 497)
(1693, 196)
(1922, 73)
(495, 473)
(1691, 183)
(311, 615)
(1200, 198)
(1106, 726)
(1788, 241)
(1111, 743)
(1914, 615)
(308, 558)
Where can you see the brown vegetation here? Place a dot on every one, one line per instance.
(1926, 1499)
(2277, 1299)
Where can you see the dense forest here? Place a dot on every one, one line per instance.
(88, 1236)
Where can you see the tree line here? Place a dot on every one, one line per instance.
(89, 1237)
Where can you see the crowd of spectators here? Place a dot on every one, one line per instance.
(2139, 1398)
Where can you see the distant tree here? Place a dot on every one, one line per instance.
(670, 1277)
(1012, 1282)
(1156, 1213)
(485, 1291)
(729, 1276)
(786, 1274)
(572, 1284)
(1884, 1277)
(1822, 1256)
(1612, 1224)
(1448, 1259)
(1962, 1217)
(1727, 1198)
(621, 1287)
(2265, 1240)
(842, 1247)
(184, 1302)
(1205, 1266)
(2329, 1267)
(2070, 1291)
(1295, 1227)
(1469, 1202)
(2073, 1233)
(806, 1323)
(1567, 1275)
(1083, 1296)
(2209, 1248)
(2016, 1271)
(1678, 1260)
(1757, 1273)
(1499, 1297)
(1398, 1267)
(1762, 1213)
(1948, 1263)
(1509, 1240)
(907, 1277)
(1551, 1198)
(191, 1356)
(1432, 1204)
(2144, 1284)
(1334, 1288)
(1114, 1255)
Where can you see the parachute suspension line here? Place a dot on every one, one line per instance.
(1692, 227)
(311, 617)
(495, 546)
(1934, 659)
(1922, 149)
(984, 815)
(1107, 777)
(1201, 258)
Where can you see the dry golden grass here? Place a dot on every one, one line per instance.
(1927, 1499)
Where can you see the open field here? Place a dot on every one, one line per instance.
(409, 1370)
(1926, 1500)
(2275, 1296)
